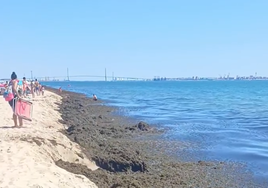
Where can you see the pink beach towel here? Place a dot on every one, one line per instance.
(24, 109)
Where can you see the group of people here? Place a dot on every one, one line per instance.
(15, 89)
(34, 88)
(26, 88)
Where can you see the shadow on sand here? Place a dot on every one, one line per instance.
(11, 127)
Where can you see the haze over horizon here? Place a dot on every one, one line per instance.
(134, 38)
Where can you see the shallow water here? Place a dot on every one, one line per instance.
(226, 120)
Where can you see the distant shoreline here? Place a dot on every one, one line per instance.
(162, 79)
(151, 80)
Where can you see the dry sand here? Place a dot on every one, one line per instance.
(28, 154)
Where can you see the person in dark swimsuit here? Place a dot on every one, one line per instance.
(12, 103)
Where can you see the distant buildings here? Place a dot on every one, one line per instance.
(251, 77)
(156, 78)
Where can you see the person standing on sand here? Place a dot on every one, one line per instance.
(40, 88)
(32, 88)
(13, 84)
(24, 87)
(36, 84)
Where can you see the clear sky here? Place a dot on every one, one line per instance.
(139, 38)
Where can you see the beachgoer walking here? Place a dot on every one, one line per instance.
(24, 87)
(13, 88)
(36, 84)
(60, 90)
(32, 88)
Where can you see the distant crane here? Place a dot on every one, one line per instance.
(68, 78)
(105, 75)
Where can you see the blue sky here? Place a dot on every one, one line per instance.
(139, 38)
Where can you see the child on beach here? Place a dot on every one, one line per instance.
(60, 90)
(95, 97)
(28, 91)
(6, 84)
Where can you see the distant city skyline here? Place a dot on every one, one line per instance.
(106, 77)
(138, 38)
(67, 76)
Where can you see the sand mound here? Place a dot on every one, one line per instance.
(28, 154)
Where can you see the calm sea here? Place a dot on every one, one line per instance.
(225, 120)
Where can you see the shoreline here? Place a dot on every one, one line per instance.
(128, 154)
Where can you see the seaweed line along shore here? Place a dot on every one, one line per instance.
(128, 153)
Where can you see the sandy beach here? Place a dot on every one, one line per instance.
(28, 154)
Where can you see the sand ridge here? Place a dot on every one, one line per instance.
(28, 154)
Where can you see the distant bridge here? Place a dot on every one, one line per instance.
(105, 78)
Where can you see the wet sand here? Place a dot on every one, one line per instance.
(129, 155)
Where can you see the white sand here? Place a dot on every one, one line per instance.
(23, 163)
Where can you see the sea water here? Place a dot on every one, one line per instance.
(225, 120)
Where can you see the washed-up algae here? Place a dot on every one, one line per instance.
(127, 161)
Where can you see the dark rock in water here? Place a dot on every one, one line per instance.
(143, 126)
(71, 128)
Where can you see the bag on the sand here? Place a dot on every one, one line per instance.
(8, 94)
(23, 109)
